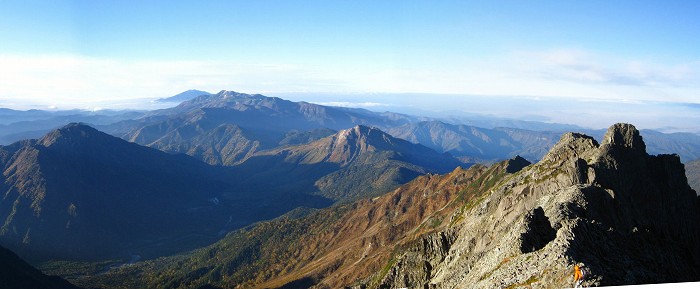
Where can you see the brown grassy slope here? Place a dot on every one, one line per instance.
(365, 238)
(331, 248)
(360, 243)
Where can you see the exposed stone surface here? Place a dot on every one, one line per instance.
(625, 135)
(629, 217)
(415, 268)
(538, 232)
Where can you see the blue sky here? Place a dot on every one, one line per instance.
(119, 53)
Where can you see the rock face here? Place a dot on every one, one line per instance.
(629, 217)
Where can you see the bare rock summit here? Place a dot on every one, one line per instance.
(628, 217)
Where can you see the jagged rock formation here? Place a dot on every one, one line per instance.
(629, 217)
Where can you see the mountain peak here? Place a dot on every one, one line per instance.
(572, 144)
(227, 94)
(364, 137)
(516, 164)
(184, 96)
(358, 130)
(69, 133)
(226, 98)
(625, 135)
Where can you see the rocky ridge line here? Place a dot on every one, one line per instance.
(630, 217)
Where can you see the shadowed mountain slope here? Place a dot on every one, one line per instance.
(16, 274)
(78, 193)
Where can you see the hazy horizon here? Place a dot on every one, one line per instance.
(585, 63)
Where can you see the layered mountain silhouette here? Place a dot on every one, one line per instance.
(19, 125)
(78, 193)
(477, 144)
(228, 127)
(686, 145)
(627, 216)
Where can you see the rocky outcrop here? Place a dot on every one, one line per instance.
(627, 216)
(416, 265)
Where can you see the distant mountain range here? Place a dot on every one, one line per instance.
(228, 127)
(477, 144)
(16, 125)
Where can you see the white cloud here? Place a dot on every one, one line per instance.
(581, 66)
(65, 81)
(352, 104)
(611, 77)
